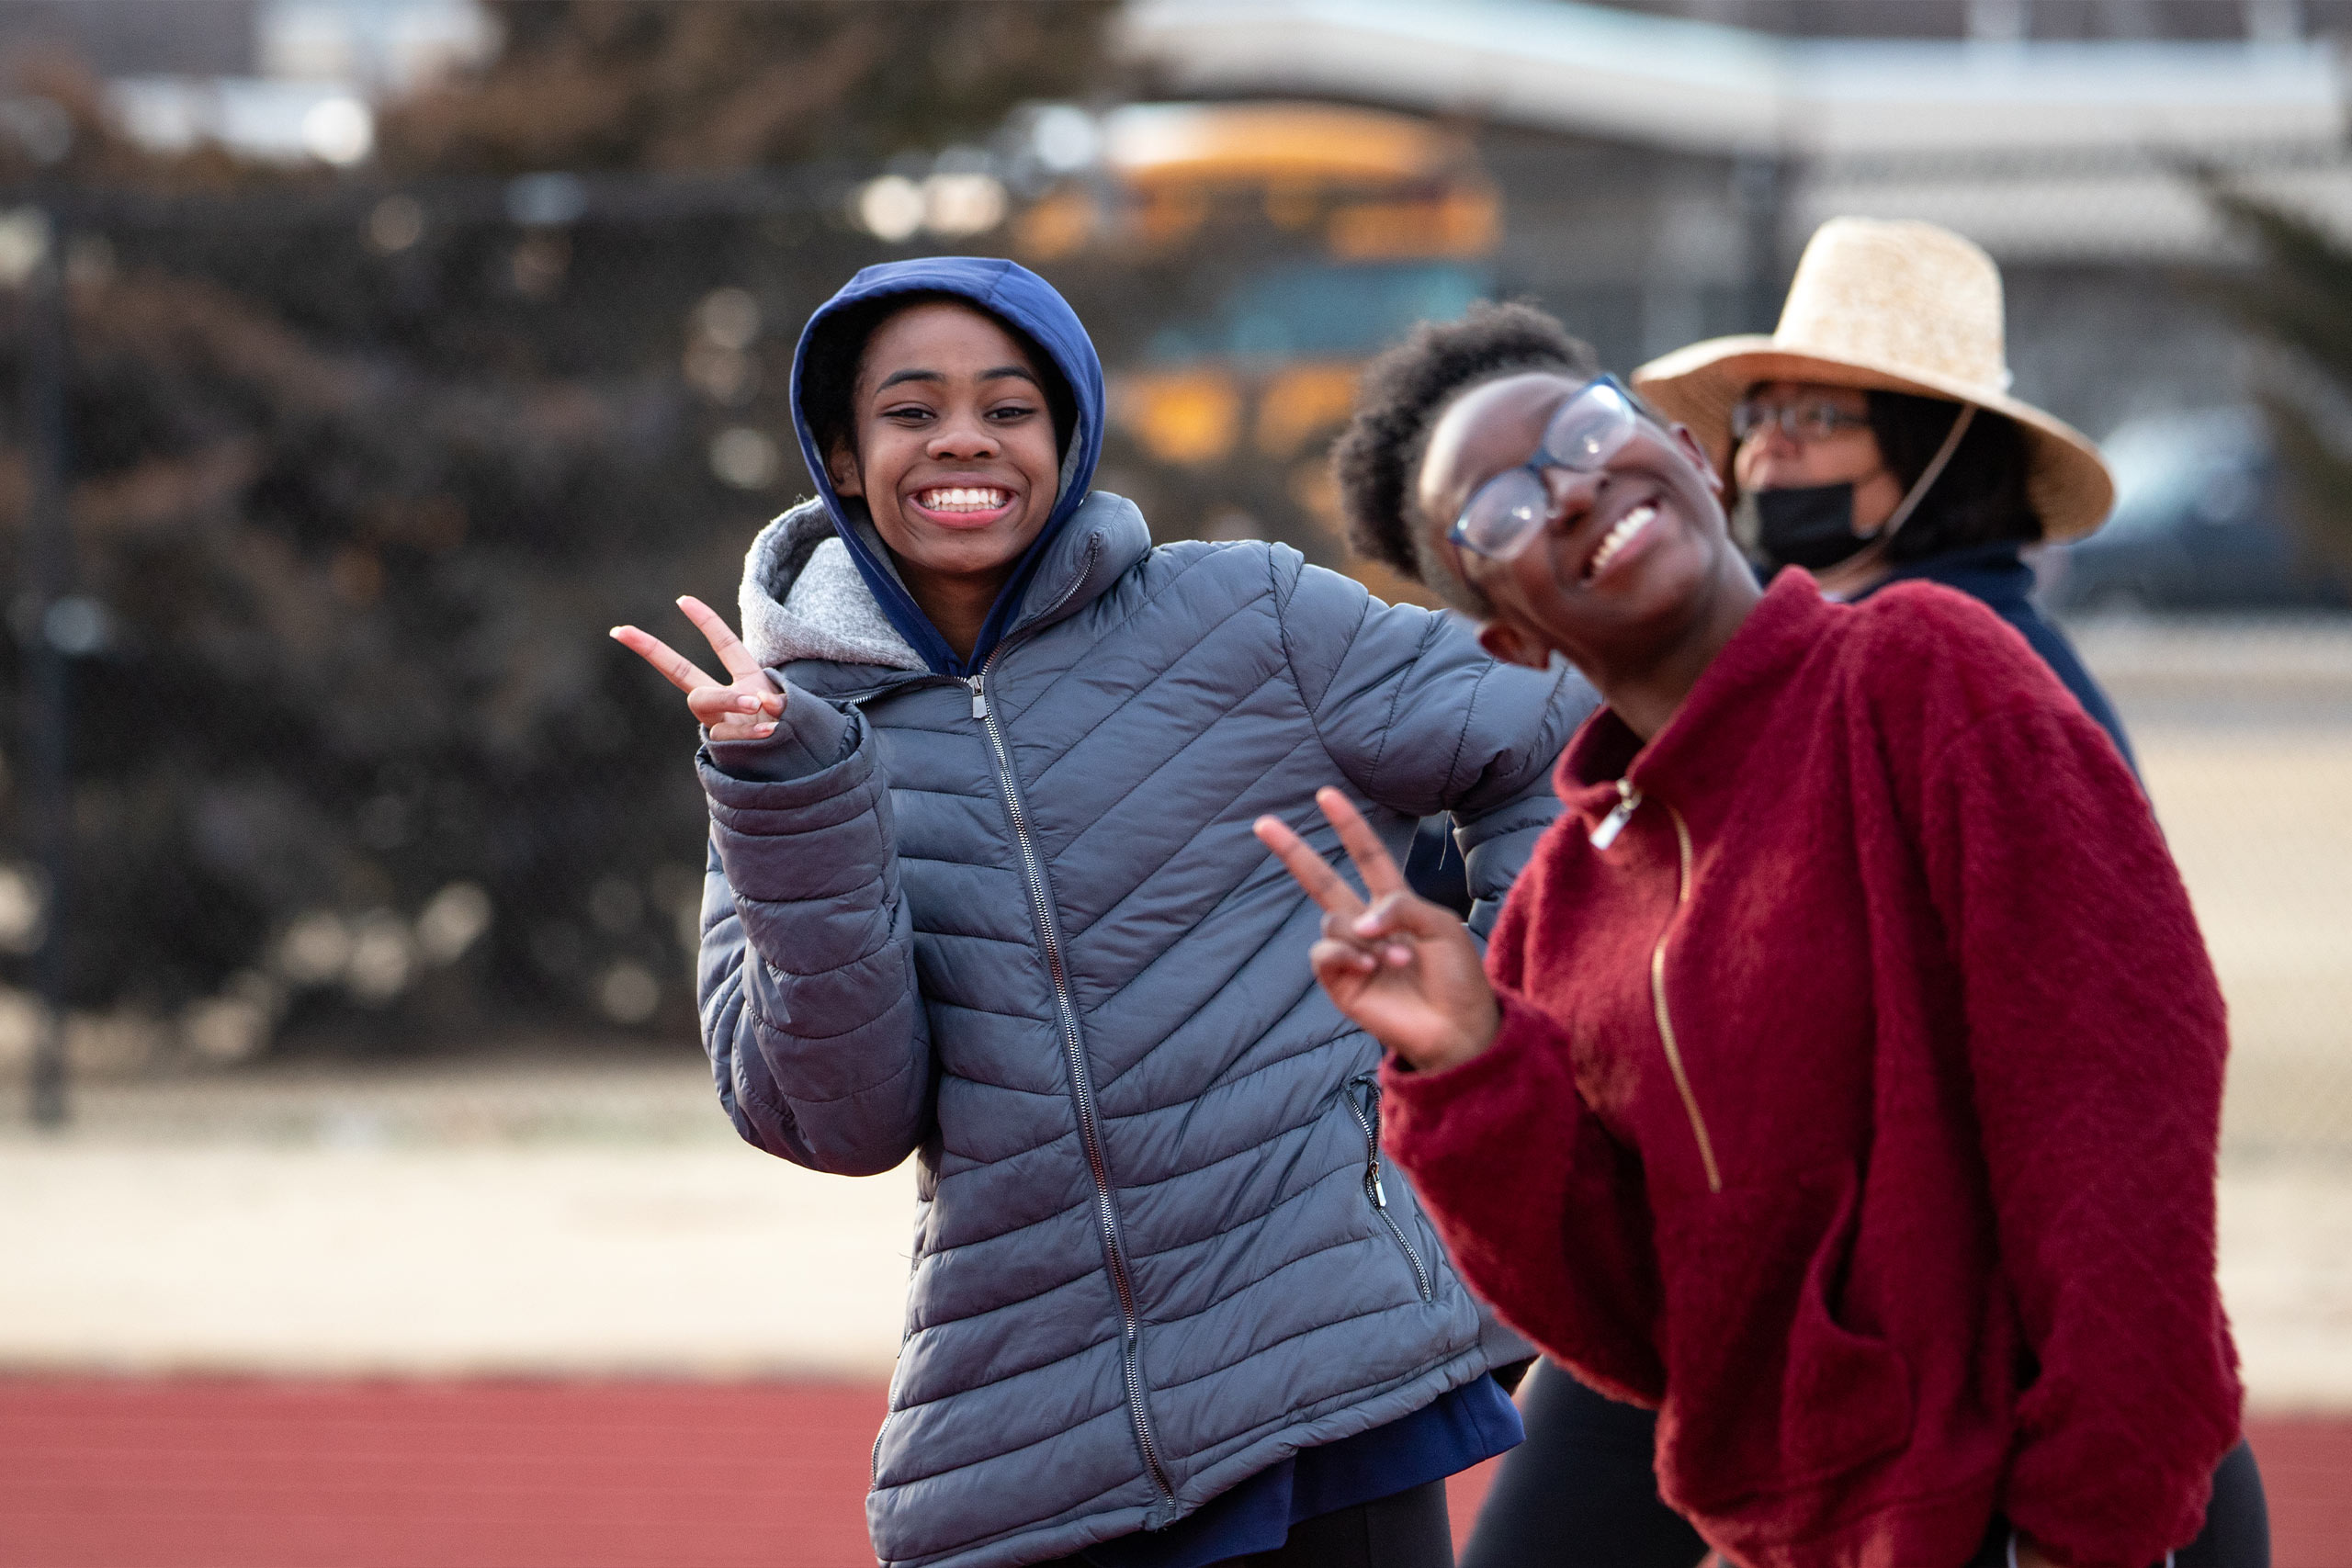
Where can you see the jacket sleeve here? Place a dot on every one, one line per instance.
(1419, 719)
(1541, 1210)
(2096, 1045)
(816, 1031)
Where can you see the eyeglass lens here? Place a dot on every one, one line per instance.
(1509, 510)
(1814, 420)
(1588, 428)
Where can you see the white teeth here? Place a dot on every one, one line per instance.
(963, 499)
(1633, 523)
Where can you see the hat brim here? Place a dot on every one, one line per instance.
(2067, 478)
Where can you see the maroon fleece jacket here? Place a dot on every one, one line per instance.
(1857, 1103)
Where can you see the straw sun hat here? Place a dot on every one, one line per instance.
(1900, 306)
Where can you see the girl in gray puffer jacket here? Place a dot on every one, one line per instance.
(982, 889)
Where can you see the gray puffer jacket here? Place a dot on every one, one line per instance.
(1018, 925)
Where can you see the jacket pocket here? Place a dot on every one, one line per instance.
(1363, 1097)
(1766, 1390)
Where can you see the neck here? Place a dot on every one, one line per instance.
(1648, 697)
(1857, 574)
(955, 603)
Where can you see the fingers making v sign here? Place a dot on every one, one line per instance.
(745, 708)
(1402, 968)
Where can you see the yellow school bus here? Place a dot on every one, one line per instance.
(1241, 262)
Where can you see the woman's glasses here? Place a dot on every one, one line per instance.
(1806, 419)
(1506, 512)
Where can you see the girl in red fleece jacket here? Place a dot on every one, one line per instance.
(1844, 1075)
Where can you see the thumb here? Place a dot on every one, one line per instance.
(1403, 913)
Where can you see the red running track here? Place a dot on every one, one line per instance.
(235, 1474)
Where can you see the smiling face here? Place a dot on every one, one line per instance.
(1628, 557)
(954, 457)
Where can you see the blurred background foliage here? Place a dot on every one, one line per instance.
(2296, 296)
(361, 468)
(593, 85)
(371, 438)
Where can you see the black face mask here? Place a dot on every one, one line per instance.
(1811, 526)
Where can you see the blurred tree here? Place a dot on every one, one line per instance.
(363, 467)
(2298, 296)
(730, 85)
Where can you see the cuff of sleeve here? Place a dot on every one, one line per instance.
(1426, 1107)
(811, 737)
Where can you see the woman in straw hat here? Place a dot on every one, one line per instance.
(1843, 1077)
(1871, 440)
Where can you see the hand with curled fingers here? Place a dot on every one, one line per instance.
(746, 708)
(1400, 967)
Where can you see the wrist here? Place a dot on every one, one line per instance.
(1467, 1044)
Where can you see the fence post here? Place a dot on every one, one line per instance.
(49, 547)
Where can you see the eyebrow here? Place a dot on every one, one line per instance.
(1001, 372)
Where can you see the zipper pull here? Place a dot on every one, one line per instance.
(979, 698)
(1629, 800)
(1370, 1117)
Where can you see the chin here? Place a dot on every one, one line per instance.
(1654, 605)
(944, 548)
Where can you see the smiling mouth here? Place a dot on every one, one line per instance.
(1618, 537)
(963, 498)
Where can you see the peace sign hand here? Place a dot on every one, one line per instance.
(746, 708)
(1401, 968)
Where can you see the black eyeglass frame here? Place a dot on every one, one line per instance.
(1825, 418)
(1529, 510)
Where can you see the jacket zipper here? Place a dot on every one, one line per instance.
(1629, 800)
(1369, 1120)
(1081, 1088)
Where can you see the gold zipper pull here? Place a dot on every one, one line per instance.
(979, 698)
(1629, 800)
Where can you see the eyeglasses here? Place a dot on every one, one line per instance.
(1506, 512)
(1812, 418)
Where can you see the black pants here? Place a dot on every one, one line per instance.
(2237, 1532)
(1582, 1493)
(1407, 1530)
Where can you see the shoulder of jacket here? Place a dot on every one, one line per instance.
(1934, 659)
(1915, 634)
(1242, 566)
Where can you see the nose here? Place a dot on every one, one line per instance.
(1769, 455)
(1572, 494)
(962, 437)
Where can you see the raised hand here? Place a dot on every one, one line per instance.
(745, 708)
(1401, 968)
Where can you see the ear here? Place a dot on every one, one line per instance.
(1688, 445)
(842, 467)
(1505, 645)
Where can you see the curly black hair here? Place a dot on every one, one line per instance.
(1403, 393)
(837, 352)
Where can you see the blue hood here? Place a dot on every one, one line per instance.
(1013, 294)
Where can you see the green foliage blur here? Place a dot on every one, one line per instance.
(2298, 296)
(363, 466)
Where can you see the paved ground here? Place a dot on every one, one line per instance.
(424, 1226)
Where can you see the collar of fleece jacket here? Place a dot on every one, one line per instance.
(1013, 293)
(1695, 759)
